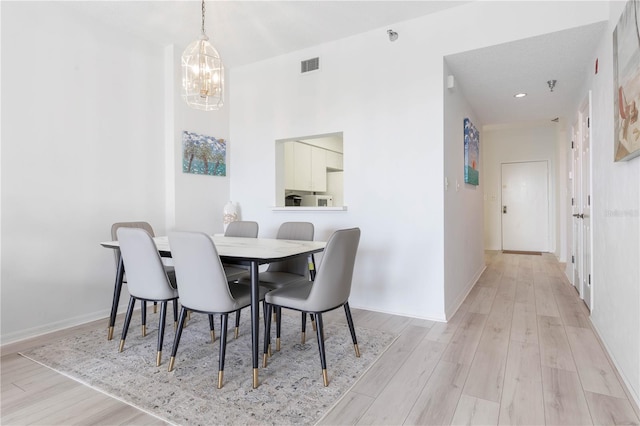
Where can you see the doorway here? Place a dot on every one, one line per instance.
(525, 206)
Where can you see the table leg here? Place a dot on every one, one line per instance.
(311, 261)
(255, 319)
(116, 297)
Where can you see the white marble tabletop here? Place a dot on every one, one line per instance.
(260, 249)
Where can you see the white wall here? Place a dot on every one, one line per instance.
(511, 144)
(384, 146)
(82, 148)
(616, 226)
(387, 98)
(463, 204)
(93, 140)
(199, 200)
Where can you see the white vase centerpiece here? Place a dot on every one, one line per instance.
(230, 214)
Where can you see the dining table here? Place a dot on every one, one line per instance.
(251, 252)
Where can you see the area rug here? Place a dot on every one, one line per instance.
(290, 392)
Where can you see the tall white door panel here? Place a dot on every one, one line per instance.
(525, 206)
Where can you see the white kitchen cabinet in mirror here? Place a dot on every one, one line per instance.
(309, 172)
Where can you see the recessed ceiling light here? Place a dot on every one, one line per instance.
(519, 95)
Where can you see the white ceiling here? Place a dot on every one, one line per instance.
(249, 31)
(490, 77)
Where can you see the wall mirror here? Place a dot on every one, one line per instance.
(309, 171)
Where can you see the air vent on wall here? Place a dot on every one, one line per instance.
(309, 65)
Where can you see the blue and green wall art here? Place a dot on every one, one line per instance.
(203, 155)
(471, 153)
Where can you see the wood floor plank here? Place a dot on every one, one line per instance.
(444, 331)
(564, 400)
(554, 346)
(463, 346)
(608, 410)
(384, 369)
(596, 374)
(348, 410)
(402, 390)
(525, 292)
(524, 326)
(475, 411)
(395, 324)
(522, 401)
(507, 289)
(486, 376)
(570, 312)
(545, 299)
(49, 407)
(437, 402)
(483, 300)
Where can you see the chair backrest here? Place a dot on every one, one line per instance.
(146, 277)
(332, 285)
(242, 228)
(202, 282)
(301, 231)
(114, 233)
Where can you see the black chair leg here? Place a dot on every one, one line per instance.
(264, 312)
(223, 346)
(163, 320)
(212, 328)
(236, 330)
(175, 314)
(323, 358)
(143, 311)
(278, 326)
(267, 334)
(176, 339)
(304, 326)
(127, 321)
(352, 329)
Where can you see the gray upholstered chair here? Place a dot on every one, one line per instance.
(287, 272)
(330, 290)
(204, 287)
(147, 279)
(147, 227)
(280, 274)
(241, 229)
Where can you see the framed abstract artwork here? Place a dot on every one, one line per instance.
(471, 153)
(626, 78)
(203, 155)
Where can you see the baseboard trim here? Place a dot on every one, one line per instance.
(450, 311)
(30, 333)
(634, 396)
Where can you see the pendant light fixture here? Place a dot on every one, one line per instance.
(202, 74)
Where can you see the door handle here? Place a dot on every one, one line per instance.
(504, 209)
(579, 216)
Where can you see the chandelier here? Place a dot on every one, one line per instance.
(202, 74)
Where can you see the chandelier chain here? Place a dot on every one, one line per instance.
(202, 16)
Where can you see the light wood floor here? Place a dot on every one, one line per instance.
(520, 350)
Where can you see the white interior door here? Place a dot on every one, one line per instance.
(585, 217)
(525, 206)
(576, 195)
(581, 204)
